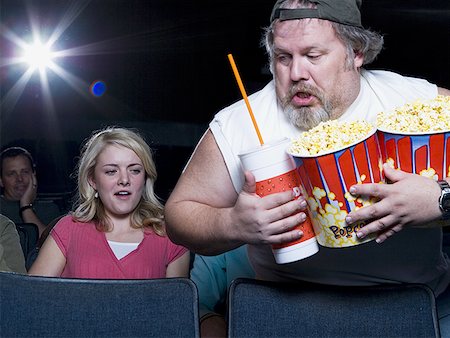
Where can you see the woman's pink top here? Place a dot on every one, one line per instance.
(89, 255)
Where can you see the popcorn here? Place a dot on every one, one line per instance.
(330, 136)
(424, 116)
(415, 137)
(334, 232)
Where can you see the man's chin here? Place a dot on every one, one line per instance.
(17, 195)
(306, 118)
(304, 125)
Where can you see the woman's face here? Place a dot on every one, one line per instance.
(119, 178)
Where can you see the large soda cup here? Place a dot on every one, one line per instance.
(275, 171)
(326, 180)
(426, 154)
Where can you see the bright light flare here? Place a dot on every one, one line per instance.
(41, 57)
(38, 55)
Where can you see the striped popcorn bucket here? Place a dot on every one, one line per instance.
(425, 154)
(326, 180)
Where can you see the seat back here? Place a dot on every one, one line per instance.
(265, 309)
(46, 306)
(29, 236)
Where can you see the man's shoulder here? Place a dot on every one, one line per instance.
(10, 209)
(262, 96)
(379, 74)
(5, 223)
(392, 79)
(236, 117)
(387, 86)
(4, 201)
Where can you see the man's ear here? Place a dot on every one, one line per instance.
(359, 59)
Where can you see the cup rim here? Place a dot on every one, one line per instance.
(264, 147)
(370, 134)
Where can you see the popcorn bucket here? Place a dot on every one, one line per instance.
(425, 154)
(326, 180)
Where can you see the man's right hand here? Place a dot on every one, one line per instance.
(30, 193)
(269, 219)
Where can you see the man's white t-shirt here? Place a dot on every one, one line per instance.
(413, 255)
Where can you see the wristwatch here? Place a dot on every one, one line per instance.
(444, 199)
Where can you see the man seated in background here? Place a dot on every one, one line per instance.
(11, 255)
(18, 183)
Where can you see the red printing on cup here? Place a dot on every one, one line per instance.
(285, 182)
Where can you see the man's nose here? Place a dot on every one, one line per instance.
(299, 70)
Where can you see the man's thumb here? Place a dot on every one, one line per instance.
(249, 183)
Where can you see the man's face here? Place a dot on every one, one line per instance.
(313, 81)
(16, 176)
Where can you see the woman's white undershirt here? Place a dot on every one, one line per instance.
(122, 249)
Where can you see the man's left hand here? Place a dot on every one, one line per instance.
(409, 200)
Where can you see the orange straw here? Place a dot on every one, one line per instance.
(244, 95)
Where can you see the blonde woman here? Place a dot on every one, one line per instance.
(117, 228)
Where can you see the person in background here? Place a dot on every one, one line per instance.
(117, 228)
(11, 254)
(317, 52)
(19, 190)
(213, 276)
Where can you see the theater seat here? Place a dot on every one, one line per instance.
(56, 307)
(265, 309)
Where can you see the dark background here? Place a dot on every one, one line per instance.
(167, 73)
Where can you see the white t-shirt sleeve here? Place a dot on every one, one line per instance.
(232, 161)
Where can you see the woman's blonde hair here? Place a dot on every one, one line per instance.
(149, 211)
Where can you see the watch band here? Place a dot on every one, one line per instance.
(444, 199)
(25, 207)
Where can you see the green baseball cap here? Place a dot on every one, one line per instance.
(341, 11)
